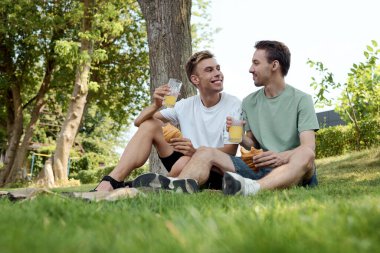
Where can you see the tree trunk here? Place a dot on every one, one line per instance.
(14, 111)
(46, 176)
(169, 40)
(17, 128)
(74, 115)
(16, 171)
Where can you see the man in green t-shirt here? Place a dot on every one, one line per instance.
(280, 120)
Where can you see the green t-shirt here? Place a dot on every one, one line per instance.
(277, 122)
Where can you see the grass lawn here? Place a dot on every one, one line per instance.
(341, 215)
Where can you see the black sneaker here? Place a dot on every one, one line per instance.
(128, 183)
(147, 180)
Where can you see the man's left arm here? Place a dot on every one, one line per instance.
(274, 159)
(229, 149)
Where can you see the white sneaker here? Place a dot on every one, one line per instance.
(234, 184)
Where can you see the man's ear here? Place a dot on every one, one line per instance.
(276, 65)
(195, 80)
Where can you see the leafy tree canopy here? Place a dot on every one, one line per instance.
(360, 95)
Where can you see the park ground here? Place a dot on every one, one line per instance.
(342, 214)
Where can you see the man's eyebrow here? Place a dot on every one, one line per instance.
(212, 66)
(208, 67)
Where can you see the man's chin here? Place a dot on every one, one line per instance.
(219, 88)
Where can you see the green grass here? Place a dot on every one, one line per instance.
(341, 215)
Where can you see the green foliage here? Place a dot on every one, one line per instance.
(340, 140)
(201, 31)
(341, 215)
(360, 95)
(40, 35)
(95, 175)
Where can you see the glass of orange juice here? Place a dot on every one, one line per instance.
(175, 87)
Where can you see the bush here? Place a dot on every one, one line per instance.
(339, 140)
(89, 161)
(95, 175)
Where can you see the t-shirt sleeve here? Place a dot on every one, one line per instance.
(171, 115)
(244, 109)
(307, 119)
(246, 126)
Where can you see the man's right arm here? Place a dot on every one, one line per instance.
(149, 112)
(249, 141)
(152, 110)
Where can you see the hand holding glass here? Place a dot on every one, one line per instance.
(175, 87)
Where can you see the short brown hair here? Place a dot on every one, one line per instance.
(193, 61)
(276, 50)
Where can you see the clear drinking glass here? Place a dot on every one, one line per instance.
(175, 87)
(235, 131)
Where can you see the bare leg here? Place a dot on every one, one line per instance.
(178, 166)
(203, 160)
(137, 151)
(300, 167)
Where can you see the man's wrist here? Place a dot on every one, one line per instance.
(155, 106)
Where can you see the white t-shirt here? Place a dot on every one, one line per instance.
(203, 126)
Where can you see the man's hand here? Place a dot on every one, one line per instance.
(183, 145)
(228, 123)
(269, 159)
(159, 94)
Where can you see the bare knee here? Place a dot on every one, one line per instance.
(308, 156)
(204, 153)
(207, 155)
(151, 125)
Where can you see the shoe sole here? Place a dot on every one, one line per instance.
(179, 185)
(147, 180)
(231, 186)
(156, 181)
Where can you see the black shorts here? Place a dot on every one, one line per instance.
(214, 181)
(169, 161)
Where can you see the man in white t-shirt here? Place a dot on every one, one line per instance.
(202, 120)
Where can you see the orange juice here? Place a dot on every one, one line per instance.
(169, 101)
(236, 134)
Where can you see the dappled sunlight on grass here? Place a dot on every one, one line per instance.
(342, 214)
(353, 168)
(370, 157)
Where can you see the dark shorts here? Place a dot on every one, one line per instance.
(214, 181)
(244, 170)
(169, 161)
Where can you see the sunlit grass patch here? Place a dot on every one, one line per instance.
(342, 214)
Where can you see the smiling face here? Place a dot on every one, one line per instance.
(207, 77)
(261, 69)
